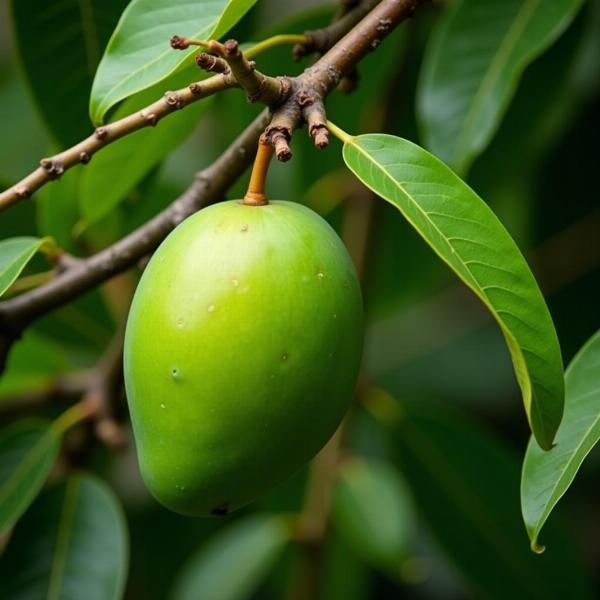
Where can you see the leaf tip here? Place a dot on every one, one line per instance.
(537, 548)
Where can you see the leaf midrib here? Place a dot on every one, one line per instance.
(101, 105)
(495, 69)
(552, 501)
(31, 250)
(31, 456)
(477, 288)
(62, 539)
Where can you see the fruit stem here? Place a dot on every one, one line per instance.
(256, 196)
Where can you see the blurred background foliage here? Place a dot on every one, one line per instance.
(426, 501)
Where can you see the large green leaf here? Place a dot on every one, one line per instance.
(28, 450)
(116, 170)
(465, 482)
(138, 54)
(547, 475)
(466, 87)
(15, 253)
(232, 565)
(468, 237)
(72, 543)
(60, 45)
(373, 512)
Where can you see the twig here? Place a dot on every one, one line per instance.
(320, 40)
(258, 87)
(309, 88)
(53, 167)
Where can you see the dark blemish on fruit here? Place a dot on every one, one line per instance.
(220, 511)
(175, 373)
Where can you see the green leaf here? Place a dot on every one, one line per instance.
(32, 364)
(15, 253)
(251, 546)
(116, 170)
(57, 207)
(138, 54)
(467, 236)
(547, 476)
(28, 450)
(465, 482)
(373, 511)
(72, 543)
(60, 45)
(465, 88)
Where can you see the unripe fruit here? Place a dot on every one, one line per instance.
(242, 349)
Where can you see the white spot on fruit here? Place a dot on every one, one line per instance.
(162, 405)
(284, 357)
(244, 228)
(320, 274)
(175, 373)
(235, 283)
(211, 308)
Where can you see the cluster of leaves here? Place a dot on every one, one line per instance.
(409, 460)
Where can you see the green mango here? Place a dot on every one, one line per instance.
(242, 349)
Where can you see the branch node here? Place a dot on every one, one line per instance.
(334, 75)
(208, 62)
(195, 88)
(22, 191)
(280, 141)
(231, 47)
(384, 25)
(150, 118)
(101, 133)
(53, 167)
(84, 158)
(174, 100)
(179, 43)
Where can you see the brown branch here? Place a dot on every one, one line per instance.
(305, 103)
(309, 88)
(321, 40)
(53, 167)
(258, 87)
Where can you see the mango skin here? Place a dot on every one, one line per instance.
(242, 349)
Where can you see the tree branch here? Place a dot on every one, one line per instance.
(305, 103)
(235, 71)
(320, 40)
(53, 167)
(309, 89)
(209, 186)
